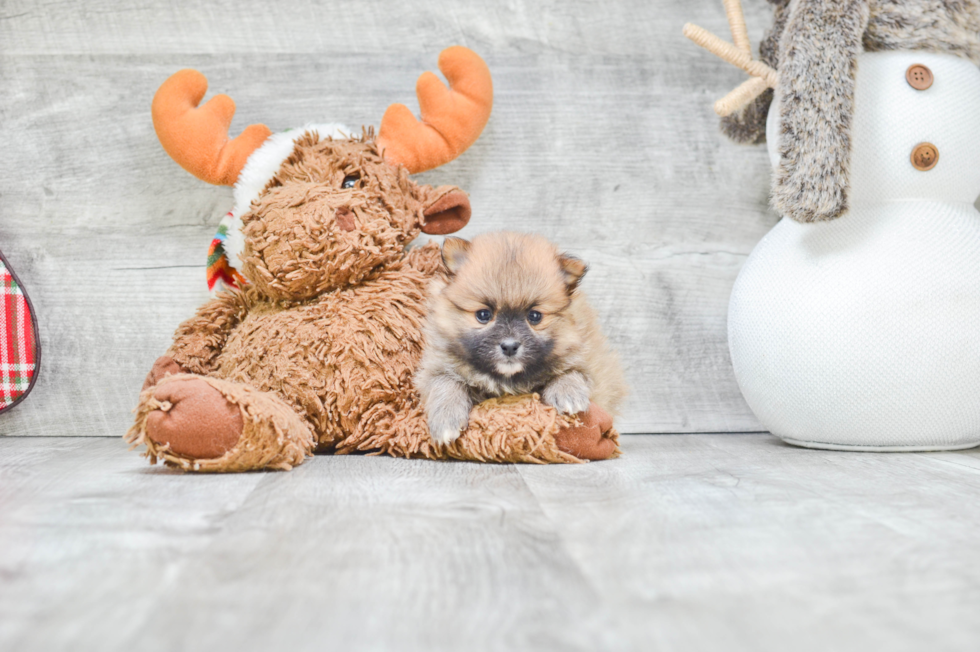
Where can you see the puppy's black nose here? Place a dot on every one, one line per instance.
(510, 347)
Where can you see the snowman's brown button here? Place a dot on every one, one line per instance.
(925, 156)
(919, 77)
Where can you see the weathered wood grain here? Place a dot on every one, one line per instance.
(602, 138)
(745, 542)
(343, 553)
(629, 27)
(687, 542)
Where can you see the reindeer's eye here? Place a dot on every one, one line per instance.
(484, 315)
(350, 181)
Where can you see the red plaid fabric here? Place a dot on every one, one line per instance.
(18, 344)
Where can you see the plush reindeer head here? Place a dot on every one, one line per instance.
(319, 209)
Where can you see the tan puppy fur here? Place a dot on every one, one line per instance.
(510, 319)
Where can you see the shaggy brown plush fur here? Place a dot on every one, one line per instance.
(319, 350)
(818, 41)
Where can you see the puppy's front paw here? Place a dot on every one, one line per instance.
(569, 394)
(446, 423)
(447, 407)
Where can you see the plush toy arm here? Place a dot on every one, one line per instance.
(508, 429)
(200, 339)
(817, 61)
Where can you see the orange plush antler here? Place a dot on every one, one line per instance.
(452, 118)
(197, 137)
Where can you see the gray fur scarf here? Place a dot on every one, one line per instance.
(813, 45)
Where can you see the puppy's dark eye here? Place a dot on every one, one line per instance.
(350, 181)
(484, 315)
(534, 317)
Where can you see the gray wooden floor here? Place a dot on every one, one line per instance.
(688, 542)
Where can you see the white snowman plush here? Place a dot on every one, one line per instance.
(855, 322)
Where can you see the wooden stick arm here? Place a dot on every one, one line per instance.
(740, 54)
(736, 20)
(747, 91)
(730, 53)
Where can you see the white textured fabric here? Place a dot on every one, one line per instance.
(864, 332)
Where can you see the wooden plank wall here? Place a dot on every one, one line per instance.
(602, 138)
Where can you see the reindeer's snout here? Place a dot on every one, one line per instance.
(345, 218)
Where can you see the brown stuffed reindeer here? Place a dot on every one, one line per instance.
(318, 349)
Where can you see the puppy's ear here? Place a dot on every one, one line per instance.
(446, 209)
(454, 253)
(572, 269)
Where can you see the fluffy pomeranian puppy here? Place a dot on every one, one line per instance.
(509, 319)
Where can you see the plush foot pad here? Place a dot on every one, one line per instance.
(199, 423)
(194, 419)
(595, 439)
